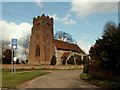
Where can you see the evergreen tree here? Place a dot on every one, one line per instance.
(105, 54)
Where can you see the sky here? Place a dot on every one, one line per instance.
(85, 21)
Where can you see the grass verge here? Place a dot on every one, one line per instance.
(13, 80)
(100, 82)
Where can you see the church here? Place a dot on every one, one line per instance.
(43, 47)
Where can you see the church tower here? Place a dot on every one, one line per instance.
(41, 45)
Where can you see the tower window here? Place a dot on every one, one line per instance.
(38, 24)
(37, 50)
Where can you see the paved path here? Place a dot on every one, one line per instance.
(60, 79)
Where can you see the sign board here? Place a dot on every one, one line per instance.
(14, 43)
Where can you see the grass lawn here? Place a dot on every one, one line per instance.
(100, 82)
(13, 80)
(0, 78)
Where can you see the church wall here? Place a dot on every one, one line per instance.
(59, 54)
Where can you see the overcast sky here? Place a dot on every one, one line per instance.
(85, 21)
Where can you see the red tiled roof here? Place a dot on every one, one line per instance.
(67, 46)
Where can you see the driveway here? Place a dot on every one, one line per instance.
(59, 79)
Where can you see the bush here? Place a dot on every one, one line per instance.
(64, 61)
(85, 60)
(53, 60)
(78, 60)
(85, 68)
(100, 82)
(71, 60)
(6, 61)
(85, 76)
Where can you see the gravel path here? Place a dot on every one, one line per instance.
(59, 79)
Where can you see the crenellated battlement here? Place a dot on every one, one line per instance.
(42, 20)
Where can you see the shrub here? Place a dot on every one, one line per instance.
(78, 60)
(64, 61)
(53, 60)
(71, 60)
(85, 68)
(85, 60)
(85, 76)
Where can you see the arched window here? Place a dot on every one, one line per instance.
(37, 50)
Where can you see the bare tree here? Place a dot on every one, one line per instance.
(25, 45)
(63, 36)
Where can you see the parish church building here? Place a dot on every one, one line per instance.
(43, 47)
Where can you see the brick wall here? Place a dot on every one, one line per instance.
(23, 66)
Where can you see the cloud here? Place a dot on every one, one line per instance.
(67, 20)
(11, 30)
(39, 3)
(87, 8)
(84, 46)
(55, 17)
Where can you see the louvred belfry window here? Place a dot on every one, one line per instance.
(37, 50)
